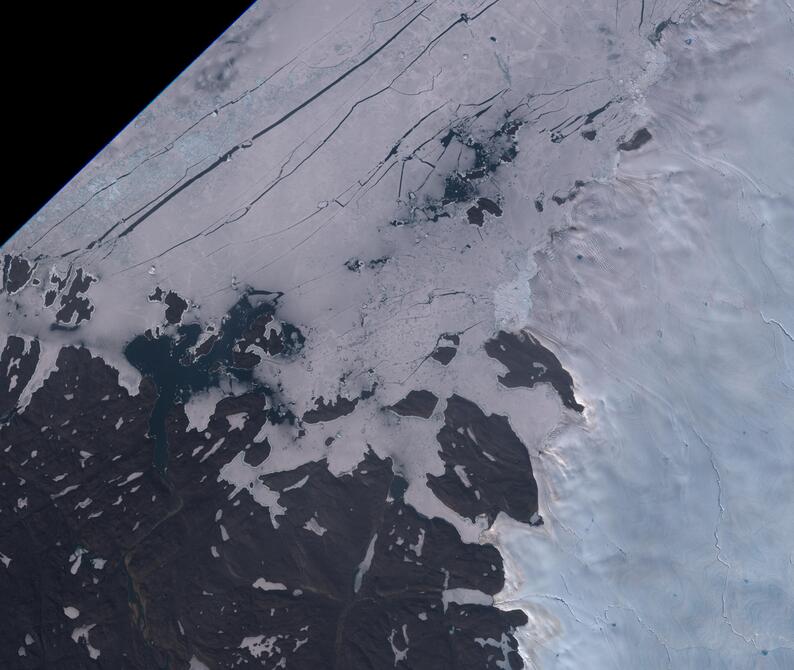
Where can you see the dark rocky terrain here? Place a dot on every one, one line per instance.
(129, 551)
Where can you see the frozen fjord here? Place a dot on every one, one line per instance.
(655, 272)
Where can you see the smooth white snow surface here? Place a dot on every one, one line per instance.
(669, 540)
(265, 585)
